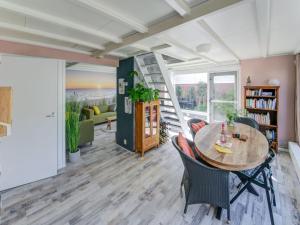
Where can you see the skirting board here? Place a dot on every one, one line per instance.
(294, 150)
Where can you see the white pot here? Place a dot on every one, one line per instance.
(274, 82)
(74, 157)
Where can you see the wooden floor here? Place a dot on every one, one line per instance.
(114, 187)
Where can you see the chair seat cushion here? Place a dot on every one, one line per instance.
(197, 126)
(184, 145)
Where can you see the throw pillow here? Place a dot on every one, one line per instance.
(184, 145)
(197, 126)
(96, 110)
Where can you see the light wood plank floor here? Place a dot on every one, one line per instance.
(111, 186)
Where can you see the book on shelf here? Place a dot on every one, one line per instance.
(270, 135)
(259, 92)
(261, 118)
(261, 103)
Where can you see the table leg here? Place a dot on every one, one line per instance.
(219, 213)
(108, 125)
(250, 187)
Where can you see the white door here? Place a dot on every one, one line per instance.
(223, 95)
(30, 153)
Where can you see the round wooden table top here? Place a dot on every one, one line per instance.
(245, 155)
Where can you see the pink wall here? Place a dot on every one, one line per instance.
(282, 68)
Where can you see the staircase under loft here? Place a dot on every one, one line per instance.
(155, 74)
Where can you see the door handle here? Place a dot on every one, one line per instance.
(50, 115)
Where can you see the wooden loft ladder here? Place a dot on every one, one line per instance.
(156, 75)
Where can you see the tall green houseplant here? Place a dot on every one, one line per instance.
(72, 124)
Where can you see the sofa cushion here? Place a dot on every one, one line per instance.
(112, 108)
(184, 145)
(96, 110)
(197, 126)
(103, 108)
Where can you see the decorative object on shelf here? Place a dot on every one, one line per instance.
(262, 104)
(248, 83)
(72, 129)
(163, 132)
(274, 82)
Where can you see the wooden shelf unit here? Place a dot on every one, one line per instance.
(273, 126)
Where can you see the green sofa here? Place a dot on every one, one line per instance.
(86, 131)
(106, 111)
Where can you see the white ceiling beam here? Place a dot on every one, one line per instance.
(200, 10)
(57, 20)
(118, 16)
(93, 68)
(45, 34)
(262, 12)
(217, 38)
(118, 54)
(141, 47)
(177, 44)
(42, 44)
(180, 6)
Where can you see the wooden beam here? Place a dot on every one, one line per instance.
(217, 38)
(45, 34)
(118, 16)
(37, 51)
(171, 22)
(180, 6)
(57, 20)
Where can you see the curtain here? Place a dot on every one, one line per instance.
(297, 99)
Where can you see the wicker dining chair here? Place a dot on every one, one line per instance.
(202, 183)
(248, 121)
(194, 120)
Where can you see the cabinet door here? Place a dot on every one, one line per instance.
(147, 119)
(154, 119)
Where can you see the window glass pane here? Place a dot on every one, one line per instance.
(224, 87)
(147, 122)
(191, 91)
(220, 110)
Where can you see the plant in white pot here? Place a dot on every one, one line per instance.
(72, 129)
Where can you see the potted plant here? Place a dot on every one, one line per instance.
(140, 93)
(72, 129)
(231, 115)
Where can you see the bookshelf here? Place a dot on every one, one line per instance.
(261, 103)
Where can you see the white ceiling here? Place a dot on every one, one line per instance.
(250, 29)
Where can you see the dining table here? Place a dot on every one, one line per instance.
(245, 154)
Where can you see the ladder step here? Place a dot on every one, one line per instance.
(150, 64)
(175, 129)
(168, 112)
(153, 74)
(161, 91)
(165, 99)
(174, 125)
(171, 119)
(157, 82)
(167, 106)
